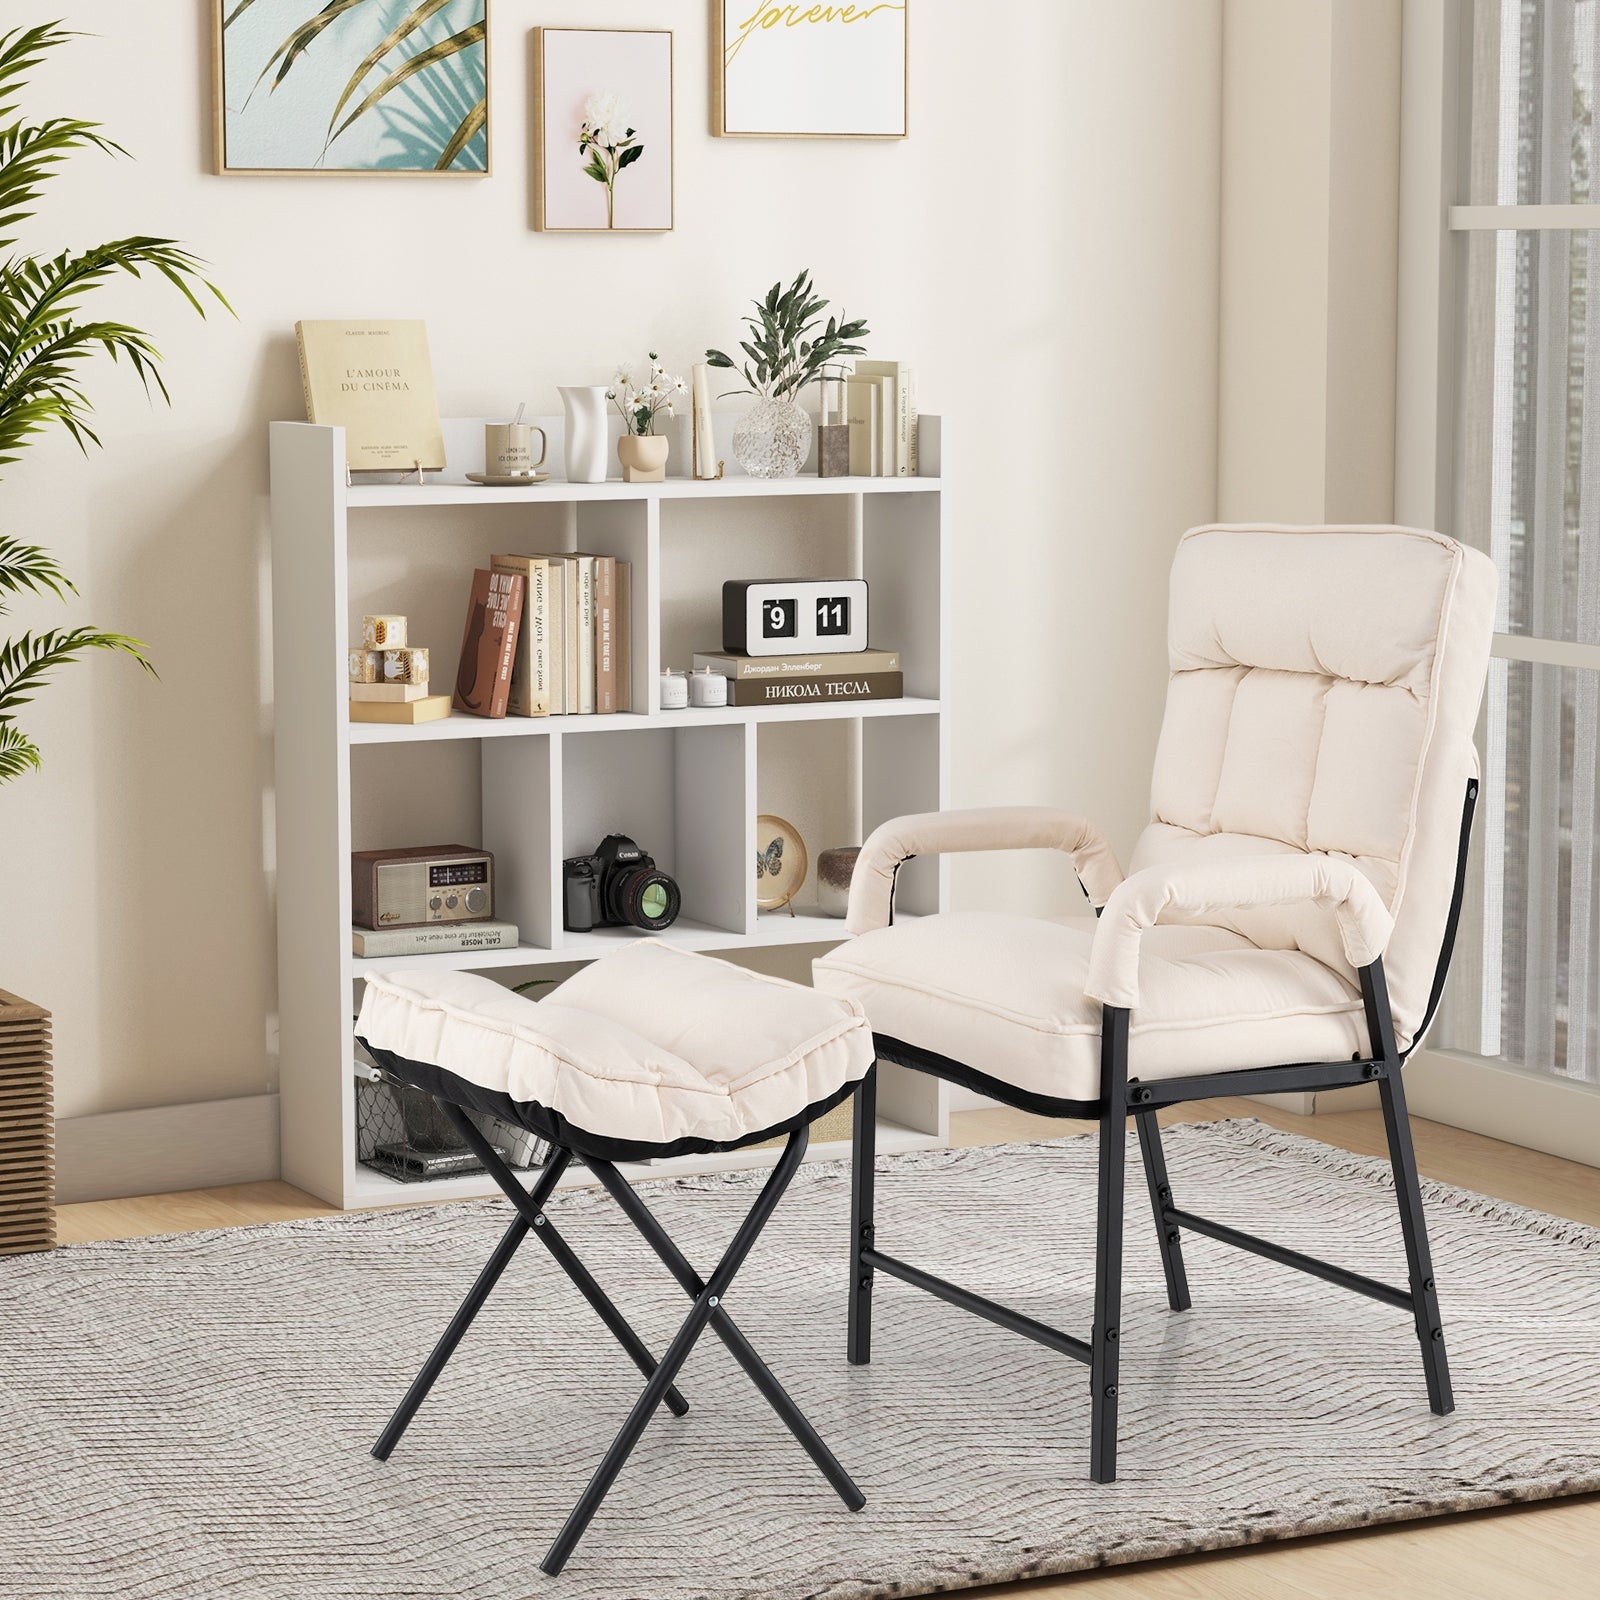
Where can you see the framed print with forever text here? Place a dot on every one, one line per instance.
(810, 70)
(603, 130)
(370, 88)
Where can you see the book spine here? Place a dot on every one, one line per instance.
(570, 569)
(888, 388)
(305, 372)
(814, 691)
(860, 402)
(435, 937)
(624, 640)
(904, 412)
(508, 648)
(605, 635)
(585, 635)
(556, 632)
(831, 664)
(536, 625)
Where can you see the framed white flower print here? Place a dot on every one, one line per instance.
(603, 130)
(803, 70)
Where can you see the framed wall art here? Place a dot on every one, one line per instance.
(371, 87)
(810, 71)
(603, 130)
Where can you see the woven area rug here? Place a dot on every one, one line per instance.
(188, 1417)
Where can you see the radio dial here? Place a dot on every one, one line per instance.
(435, 903)
(451, 902)
(476, 900)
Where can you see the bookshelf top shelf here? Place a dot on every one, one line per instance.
(445, 492)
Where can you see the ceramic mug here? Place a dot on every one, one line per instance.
(508, 449)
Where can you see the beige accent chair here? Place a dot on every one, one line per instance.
(1285, 923)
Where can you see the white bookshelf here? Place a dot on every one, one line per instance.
(537, 790)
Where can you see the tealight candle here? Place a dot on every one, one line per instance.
(707, 688)
(674, 690)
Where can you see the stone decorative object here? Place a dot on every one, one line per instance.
(643, 457)
(835, 868)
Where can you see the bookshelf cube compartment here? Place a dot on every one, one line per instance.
(680, 795)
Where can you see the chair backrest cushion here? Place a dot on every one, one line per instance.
(1325, 686)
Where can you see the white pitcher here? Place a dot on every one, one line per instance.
(587, 455)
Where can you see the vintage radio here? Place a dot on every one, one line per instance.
(776, 617)
(427, 883)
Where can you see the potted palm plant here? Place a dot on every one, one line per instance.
(47, 337)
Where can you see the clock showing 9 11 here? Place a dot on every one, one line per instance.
(779, 616)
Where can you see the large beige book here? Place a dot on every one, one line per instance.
(900, 417)
(530, 669)
(605, 634)
(861, 411)
(569, 573)
(624, 636)
(375, 380)
(583, 565)
(428, 709)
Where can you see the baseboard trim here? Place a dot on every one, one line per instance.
(201, 1145)
(1531, 1109)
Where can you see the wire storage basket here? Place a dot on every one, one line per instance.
(404, 1134)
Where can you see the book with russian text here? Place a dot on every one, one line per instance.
(374, 380)
(489, 643)
(824, 663)
(814, 691)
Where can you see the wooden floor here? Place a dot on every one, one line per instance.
(1551, 1549)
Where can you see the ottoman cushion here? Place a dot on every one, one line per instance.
(651, 1051)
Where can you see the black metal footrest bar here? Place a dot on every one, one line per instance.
(1285, 1257)
(979, 1306)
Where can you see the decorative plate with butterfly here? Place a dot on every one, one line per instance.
(780, 863)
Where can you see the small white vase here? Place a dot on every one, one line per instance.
(587, 452)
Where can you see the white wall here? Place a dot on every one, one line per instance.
(1044, 247)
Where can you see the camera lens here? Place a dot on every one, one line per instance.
(648, 900)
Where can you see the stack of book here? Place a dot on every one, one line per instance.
(546, 636)
(881, 408)
(807, 679)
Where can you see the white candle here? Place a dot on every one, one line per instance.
(674, 690)
(708, 688)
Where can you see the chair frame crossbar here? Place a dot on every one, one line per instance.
(1122, 1097)
(706, 1310)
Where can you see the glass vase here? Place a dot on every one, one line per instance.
(772, 438)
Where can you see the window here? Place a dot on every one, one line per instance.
(1526, 987)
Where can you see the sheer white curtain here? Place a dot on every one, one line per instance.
(1527, 988)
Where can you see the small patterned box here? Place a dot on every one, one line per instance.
(383, 633)
(366, 666)
(406, 666)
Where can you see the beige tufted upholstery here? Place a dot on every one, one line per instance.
(1305, 810)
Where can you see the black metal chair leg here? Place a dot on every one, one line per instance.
(467, 1311)
(707, 1309)
(1408, 1191)
(863, 1159)
(1103, 1341)
(1419, 1261)
(1167, 1234)
(530, 1206)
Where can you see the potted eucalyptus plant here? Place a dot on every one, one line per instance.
(788, 348)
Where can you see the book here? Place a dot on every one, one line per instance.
(583, 566)
(433, 936)
(605, 634)
(556, 628)
(489, 643)
(898, 413)
(624, 636)
(861, 412)
(813, 690)
(887, 391)
(388, 691)
(569, 569)
(530, 669)
(822, 664)
(430, 708)
(375, 380)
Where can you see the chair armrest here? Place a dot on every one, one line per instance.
(1192, 893)
(988, 828)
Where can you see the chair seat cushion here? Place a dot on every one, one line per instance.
(650, 1051)
(1003, 995)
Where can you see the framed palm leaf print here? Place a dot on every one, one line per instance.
(369, 87)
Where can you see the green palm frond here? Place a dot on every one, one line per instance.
(27, 661)
(295, 46)
(18, 753)
(401, 31)
(445, 48)
(471, 126)
(25, 568)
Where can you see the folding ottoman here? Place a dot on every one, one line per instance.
(646, 1053)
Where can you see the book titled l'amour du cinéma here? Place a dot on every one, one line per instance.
(374, 380)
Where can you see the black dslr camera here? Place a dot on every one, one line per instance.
(617, 887)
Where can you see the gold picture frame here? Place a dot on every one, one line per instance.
(543, 219)
(794, 15)
(223, 13)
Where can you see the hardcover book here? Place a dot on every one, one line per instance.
(430, 708)
(530, 670)
(826, 664)
(375, 380)
(861, 412)
(583, 567)
(624, 636)
(900, 417)
(489, 643)
(813, 690)
(388, 691)
(439, 936)
(605, 634)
